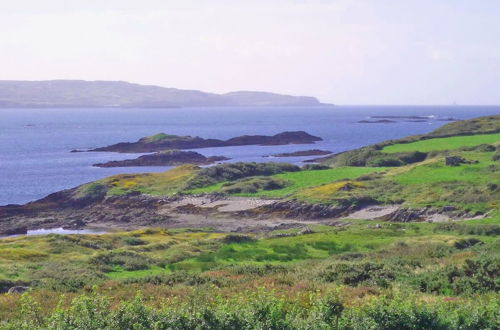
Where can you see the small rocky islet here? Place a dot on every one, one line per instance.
(301, 153)
(162, 141)
(167, 153)
(165, 158)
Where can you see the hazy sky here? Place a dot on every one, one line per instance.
(342, 51)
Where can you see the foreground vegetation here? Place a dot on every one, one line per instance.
(395, 276)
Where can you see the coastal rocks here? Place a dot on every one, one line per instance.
(428, 214)
(164, 141)
(379, 121)
(165, 158)
(18, 289)
(406, 215)
(298, 210)
(457, 161)
(15, 231)
(312, 152)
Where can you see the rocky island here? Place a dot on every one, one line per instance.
(165, 158)
(301, 153)
(162, 141)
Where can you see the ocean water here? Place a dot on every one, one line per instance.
(35, 144)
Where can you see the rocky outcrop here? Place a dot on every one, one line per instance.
(312, 152)
(298, 210)
(18, 289)
(163, 141)
(165, 158)
(457, 161)
(379, 121)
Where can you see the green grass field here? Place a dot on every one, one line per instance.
(436, 171)
(449, 143)
(301, 180)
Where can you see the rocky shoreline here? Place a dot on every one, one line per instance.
(223, 213)
(312, 152)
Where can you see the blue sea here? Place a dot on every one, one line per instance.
(35, 144)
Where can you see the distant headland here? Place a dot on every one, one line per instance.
(121, 94)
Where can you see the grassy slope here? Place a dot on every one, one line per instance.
(300, 180)
(448, 143)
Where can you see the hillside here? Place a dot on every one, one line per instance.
(401, 235)
(79, 93)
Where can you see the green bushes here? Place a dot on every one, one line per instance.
(235, 171)
(467, 243)
(231, 238)
(174, 278)
(479, 275)
(128, 260)
(315, 167)
(373, 157)
(353, 274)
(469, 229)
(61, 277)
(134, 241)
(263, 310)
(253, 185)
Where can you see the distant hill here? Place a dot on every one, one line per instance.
(79, 93)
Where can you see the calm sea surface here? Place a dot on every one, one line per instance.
(35, 144)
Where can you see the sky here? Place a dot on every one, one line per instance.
(415, 52)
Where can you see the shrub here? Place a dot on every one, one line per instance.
(467, 243)
(231, 238)
(253, 185)
(129, 260)
(350, 273)
(64, 277)
(134, 241)
(477, 275)
(235, 171)
(469, 229)
(315, 167)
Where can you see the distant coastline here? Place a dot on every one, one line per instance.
(120, 94)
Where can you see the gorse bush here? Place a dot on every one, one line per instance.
(253, 185)
(469, 229)
(261, 310)
(129, 260)
(478, 275)
(235, 171)
(355, 273)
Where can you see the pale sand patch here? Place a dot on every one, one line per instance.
(373, 212)
(229, 204)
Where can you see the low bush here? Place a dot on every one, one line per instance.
(231, 238)
(262, 310)
(253, 185)
(478, 275)
(467, 243)
(352, 273)
(128, 260)
(469, 229)
(315, 167)
(235, 171)
(134, 241)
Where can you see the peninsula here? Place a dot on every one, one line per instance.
(121, 94)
